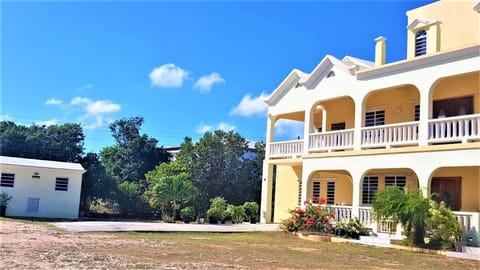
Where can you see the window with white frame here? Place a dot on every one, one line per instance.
(375, 118)
(331, 192)
(8, 180)
(369, 189)
(33, 205)
(395, 181)
(420, 43)
(315, 191)
(61, 184)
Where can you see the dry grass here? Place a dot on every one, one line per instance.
(36, 246)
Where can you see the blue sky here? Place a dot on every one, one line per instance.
(186, 67)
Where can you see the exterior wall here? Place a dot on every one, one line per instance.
(52, 204)
(459, 86)
(470, 185)
(286, 190)
(343, 186)
(398, 103)
(340, 110)
(458, 28)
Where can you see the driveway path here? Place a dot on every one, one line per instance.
(121, 226)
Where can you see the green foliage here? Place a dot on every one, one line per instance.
(251, 209)
(352, 228)
(237, 213)
(312, 218)
(218, 168)
(4, 198)
(173, 192)
(97, 186)
(168, 219)
(216, 212)
(187, 214)
(442, 226)
(129, 199)
(55, 142)
(409, 208)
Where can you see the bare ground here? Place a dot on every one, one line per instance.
(29, 245)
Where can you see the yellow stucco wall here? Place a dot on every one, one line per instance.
(286, 190)
(398, 103)
(459, 86)
(470, 185)
(338, 111)
(343, 186)
(459, 24)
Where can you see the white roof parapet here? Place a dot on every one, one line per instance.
(28, 162)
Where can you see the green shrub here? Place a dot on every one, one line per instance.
(187, 214)
(215, 215)
(237, 213)
(168, 219)
(313, 218)
(251, 209)
(4, 198)
(442, 228)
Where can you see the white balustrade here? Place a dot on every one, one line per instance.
(286, 149)
(342, 213)
(331, 140)
(451, 129)
(365, 215)
(468, 220)
(390, 135)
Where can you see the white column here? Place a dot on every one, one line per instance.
(266, 203)
(307, 130)
(324, 119)
(356, 189)
(269, 135)
(425, 112)
(357, 132)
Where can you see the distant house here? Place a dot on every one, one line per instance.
(41, 188)
(251, 152)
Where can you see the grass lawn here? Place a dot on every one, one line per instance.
(277, 250)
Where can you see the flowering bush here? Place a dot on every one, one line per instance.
(315, 218)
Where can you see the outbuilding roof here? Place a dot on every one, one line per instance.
(38, 163)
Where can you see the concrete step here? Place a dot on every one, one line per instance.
(375, 240)
(471, 250)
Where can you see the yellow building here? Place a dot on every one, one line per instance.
(368, 125)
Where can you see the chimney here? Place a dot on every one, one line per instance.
(380, 51)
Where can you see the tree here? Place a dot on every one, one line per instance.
(409, 208)
(131, 158)
(55, 142)
(96, 184)
(173, 192)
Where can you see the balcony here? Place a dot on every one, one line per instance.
(286, 149)
(458, 129)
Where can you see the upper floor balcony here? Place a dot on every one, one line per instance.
(388, 118)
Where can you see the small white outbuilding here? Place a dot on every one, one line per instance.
(41, 188)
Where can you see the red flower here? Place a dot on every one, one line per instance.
(306, 202)
(310, 221)
(325, 219)
(300, 211)
(322, 200)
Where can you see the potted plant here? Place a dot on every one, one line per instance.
(4, 201)
(187, 214)
(238, 214)
(215, 215)
(251, 210)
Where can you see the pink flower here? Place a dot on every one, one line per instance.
(322, 200)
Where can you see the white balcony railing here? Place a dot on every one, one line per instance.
(332, 140)
(468, 220)
(286, 149)
(365, 215)
(342, 213)
(390, 135)
(459, 128)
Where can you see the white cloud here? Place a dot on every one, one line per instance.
(221, 126)
(95, 111)
(288, 129)
(203, 128)
(249, 106)
(53, 101)
(47, 123)
(226, 126)
(86, 86)
(5, 117)
(168, 75)
(205, 83)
